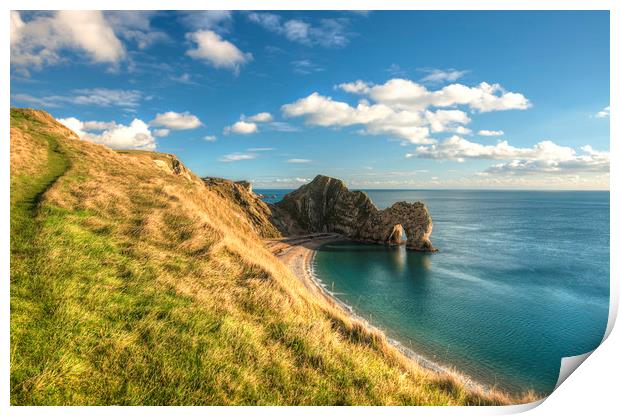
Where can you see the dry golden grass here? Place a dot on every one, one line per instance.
(149, 288)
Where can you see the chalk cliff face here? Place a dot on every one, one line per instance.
(326, 205)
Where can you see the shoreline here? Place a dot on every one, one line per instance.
(298, 253)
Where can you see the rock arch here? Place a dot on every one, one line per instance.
(414, 219)
(326, 205)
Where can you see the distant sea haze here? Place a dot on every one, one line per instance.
(521, 280)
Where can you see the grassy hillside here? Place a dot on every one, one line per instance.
(132, 283)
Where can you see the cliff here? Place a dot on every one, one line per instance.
(326, 205)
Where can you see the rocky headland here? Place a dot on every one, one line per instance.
(326, 205)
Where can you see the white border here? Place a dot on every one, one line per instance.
(592, 389)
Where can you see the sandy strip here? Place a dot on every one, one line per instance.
(298, 252)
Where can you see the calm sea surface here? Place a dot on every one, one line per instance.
(521, 280)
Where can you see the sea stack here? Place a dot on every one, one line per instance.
(327, 205)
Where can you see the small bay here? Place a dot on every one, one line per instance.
(521, 280)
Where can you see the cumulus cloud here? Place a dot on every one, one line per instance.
(248, 125)
(236, 157)
(210, 138)
(357, 87)
(447, 120)
(457, 148)
(401, 108)
(490, 133)
(328, 32)
(136, 135)
(177, 121)
(219, 53)
(406, 94)
(545, 156)
(260, 118)
(40, 40)
(376, 119)
(241, 127)
(100, 97)
(604, 113)
(438, 75)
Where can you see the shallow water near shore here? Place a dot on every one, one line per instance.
(522, 280)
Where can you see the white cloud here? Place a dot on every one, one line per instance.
(100, 97)
(438, 75)
(241, 127)
(376, 119)
(299, 161)
(490, 133)
(17, 25)
(216, 20)
(457, 148)
(40, 40)
(296, 30)
(177, 121)
(216, 51)
(135, 26)
(589, 160)
(259, 118)
(236, 157)
(210, 138)
(99, 125)
(161, 132)
(136, 135)
(328, 32)
(248, 125)
(357, 87)
(545, 156)
(447, 120)
(406, 94)
(400, 108)
(604, 113)
(105, 97)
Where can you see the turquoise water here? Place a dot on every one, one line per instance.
(522, 280)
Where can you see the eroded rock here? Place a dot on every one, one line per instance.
(327, 205)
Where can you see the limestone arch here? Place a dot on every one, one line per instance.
(415, 221)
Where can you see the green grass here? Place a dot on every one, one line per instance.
(134, 286)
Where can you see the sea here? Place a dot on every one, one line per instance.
(521, 280)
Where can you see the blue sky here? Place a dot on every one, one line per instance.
(380, 99)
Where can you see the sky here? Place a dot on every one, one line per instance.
(407, 99)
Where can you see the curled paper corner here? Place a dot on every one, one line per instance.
(568, 365)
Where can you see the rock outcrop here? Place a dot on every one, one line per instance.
(255, 210)
(326, 205)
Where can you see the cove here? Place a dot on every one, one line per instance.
(522, 280)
